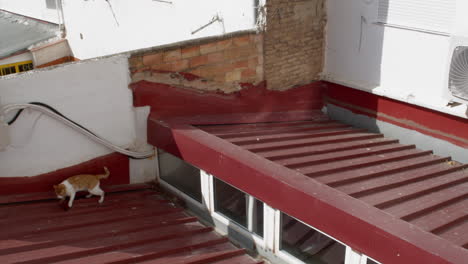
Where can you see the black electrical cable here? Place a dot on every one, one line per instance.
(60, 114)
(51, 109)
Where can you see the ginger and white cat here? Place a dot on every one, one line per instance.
(83, 182)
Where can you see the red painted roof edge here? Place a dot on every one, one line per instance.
(388, 239)
(169, 101)
(246, 118)
(424, 120)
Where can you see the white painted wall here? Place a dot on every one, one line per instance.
(403, 64)
(51, 52)
(40, 9)
(26, 56)
(97, 28)
(93, 93)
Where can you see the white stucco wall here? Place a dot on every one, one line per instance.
(51, 52)
(403, 64)
(40, 9)
(93, 93)
(97, 28)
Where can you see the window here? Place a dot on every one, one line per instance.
(238, 206)
(25, 67)
(308, 244)
(16, 67)
(432, 15)
(244, 218)
(180, 174)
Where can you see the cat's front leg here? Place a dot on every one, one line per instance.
(72, 197)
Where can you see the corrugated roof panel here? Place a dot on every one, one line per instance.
(129, 227)
(19, 32)
(426, 190)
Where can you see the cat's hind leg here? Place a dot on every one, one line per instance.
(89, 195)
(98, 192)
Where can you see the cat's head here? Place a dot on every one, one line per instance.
(60, 191)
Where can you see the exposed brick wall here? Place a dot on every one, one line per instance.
(221, 62)
(294, 42)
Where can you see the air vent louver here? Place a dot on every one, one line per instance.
(458, 76)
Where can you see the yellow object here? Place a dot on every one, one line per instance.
(16, 67)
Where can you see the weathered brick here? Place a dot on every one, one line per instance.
(190, 52)
(248, 73)
(240, 52)
(242, 64)
(210, 71)
(226, 67)
(231, 60)
(293, 42)
(197, 72)
(224, 44)
(135, 61)
(241, 41)
(215, 57)
(208, 48)
(180, 65)
(252, 62)
(163, 67)
(153, 59)
(219, 78)
(197, 61)
(233, 76)
(172, 55)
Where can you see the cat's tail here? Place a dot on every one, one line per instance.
(105, 175)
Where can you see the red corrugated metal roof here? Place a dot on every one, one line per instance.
(425, 190)
(129, 227)
(392, 202)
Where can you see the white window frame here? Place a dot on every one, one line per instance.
(226, 222)
(270, 242)
(284, 255)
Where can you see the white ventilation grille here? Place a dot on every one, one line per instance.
(432, 15)
(458, 75)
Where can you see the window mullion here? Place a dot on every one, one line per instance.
(354, 257)
(206, 189)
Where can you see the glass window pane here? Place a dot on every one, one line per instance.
(230, 202)
(370, 261)
(257, 227)
(180, 174)
(309, 245)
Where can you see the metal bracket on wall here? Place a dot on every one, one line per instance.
(215, 18)
(163, 1)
